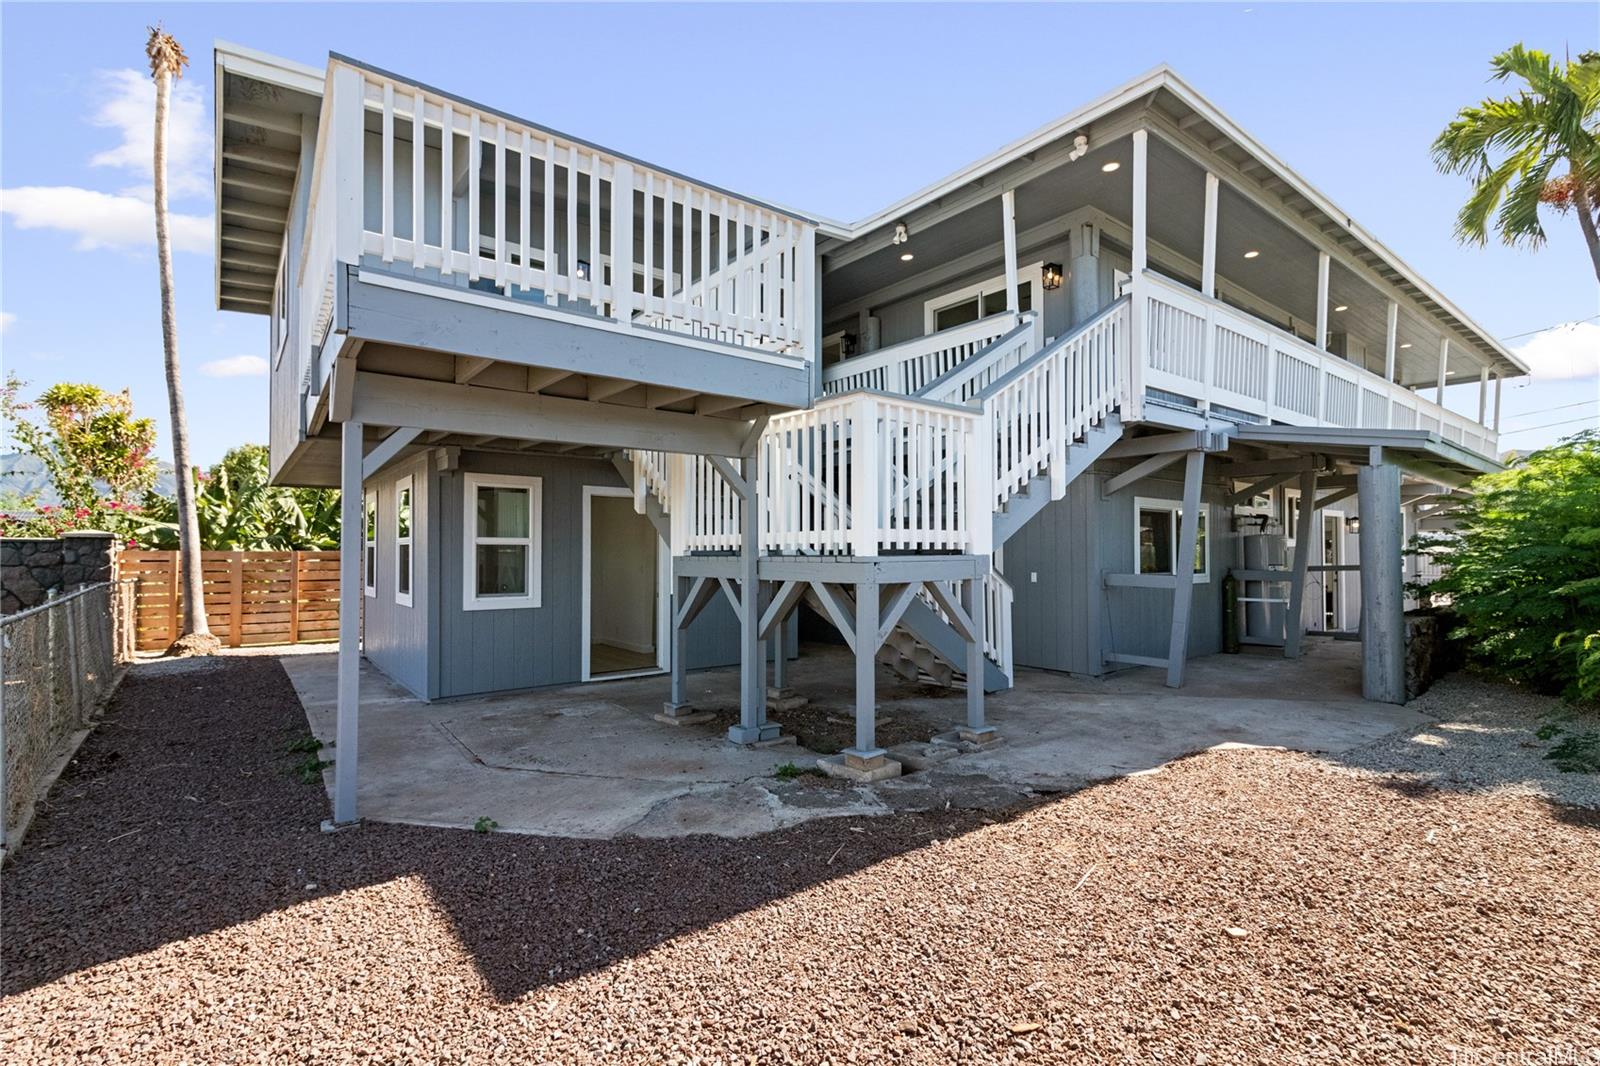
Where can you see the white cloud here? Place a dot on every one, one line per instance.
(126, 103)
(6, 319)
(1568, 351)
(100, 219)
(235, 366)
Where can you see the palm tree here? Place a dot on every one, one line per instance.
(166, 63)
(1554, 120)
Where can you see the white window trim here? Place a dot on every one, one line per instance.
(470, 600)
(406, 484)
(1173, 507)
(369, 541)
(1033, 272)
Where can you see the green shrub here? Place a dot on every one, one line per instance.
(1524, 569)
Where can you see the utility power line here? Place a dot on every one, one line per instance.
(1549, 425)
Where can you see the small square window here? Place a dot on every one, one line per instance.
(1158, 527)
(502, 540)
(402, 540)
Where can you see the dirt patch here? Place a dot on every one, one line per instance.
(179, 904)
(828, 726)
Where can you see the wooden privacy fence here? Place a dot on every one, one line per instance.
(251, 597)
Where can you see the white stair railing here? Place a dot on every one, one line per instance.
(1041, 407)
(1004, 355)
(908, 367)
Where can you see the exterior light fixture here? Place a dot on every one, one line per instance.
(1352, 524)
(906, 257)
(1407, 344)
(1080, 148)
(1342, 307)
(1052, 276)
(847, 345)
(1251, 254)
(583, 270)
(902, 233)
(1111, 166)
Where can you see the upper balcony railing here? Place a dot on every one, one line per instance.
(1235, 364)
(417, 183)
(908, 366)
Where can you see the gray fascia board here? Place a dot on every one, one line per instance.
(443, 323)
(1423, 441)
(787, 212)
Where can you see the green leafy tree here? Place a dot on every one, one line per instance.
(239, 509)
(1524, 569)
(1511, 149)
(96, 453)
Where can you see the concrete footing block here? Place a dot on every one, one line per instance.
(331, 826)
(780, 700)
(862, 768)
(766, 735)
(965, 739)
(920, 755)
(681, 714)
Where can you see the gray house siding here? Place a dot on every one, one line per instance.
(489, 651)
(1063, 617)
(396, 636)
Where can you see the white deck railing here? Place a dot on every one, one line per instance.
(481, 197)
(911, 365)
(1041, 407)
(1207, 351)
(984, 367)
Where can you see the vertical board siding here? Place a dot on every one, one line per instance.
(490, 651)
(394, 636)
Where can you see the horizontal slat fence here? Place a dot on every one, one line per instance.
(252, 597)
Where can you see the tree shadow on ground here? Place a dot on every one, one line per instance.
(184, 814)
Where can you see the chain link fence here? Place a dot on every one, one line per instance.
(58, 663)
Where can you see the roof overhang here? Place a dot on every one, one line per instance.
(262, 104)
(1418, 451)
(1179, 113)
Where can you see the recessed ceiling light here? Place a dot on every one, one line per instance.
(1342, 307)
(1449, 373)
(906, 257)
(1407, 344)
(1109, 167)
(1251, 254)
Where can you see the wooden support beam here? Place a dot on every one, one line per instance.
(1140, 470)
(542, 377)
(387, 449)
(1294, 626)
(1183, 568)
(1255, 488)
(788, 594)
(470, 366)
(605, 388)
(839, 609)
(900, 598)
(1156, 443)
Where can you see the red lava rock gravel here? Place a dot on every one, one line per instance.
(176, 903)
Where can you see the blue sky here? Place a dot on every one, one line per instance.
(836, 109)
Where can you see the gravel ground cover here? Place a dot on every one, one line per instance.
(1489, 737)
(176, 903)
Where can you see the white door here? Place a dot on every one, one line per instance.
(625, 588)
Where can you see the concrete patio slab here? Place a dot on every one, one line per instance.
(591, 761)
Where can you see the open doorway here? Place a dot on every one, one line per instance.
(624, 593)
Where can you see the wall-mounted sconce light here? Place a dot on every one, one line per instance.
(583, 270)
(1052, 276)
(847, 345)
(1352, 524)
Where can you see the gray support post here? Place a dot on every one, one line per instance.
(1383, 643)
(753, 726)
(866, 664)
(973, 601)
(679, 700)
(1183, 568)
(351, 561)
(1294, 626)
(1085, 273)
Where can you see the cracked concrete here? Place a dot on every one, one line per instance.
(590, 761)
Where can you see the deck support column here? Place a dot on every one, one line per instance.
(866, 752)
(974, 602)
(1183, 568)
(1294, 626)
(351, 561)
(753, 727)
(1008, 220)
(679, 700)
(1383, 623)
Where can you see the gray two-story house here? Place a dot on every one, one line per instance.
(1084, 405)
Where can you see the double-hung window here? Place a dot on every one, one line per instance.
(501, 520)
(402, 541)
(369, 542)
(1156, 531)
